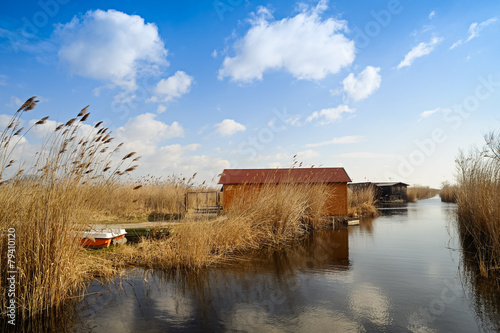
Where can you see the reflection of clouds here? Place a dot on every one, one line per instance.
(250, 318)
(367, 301)
(418, 324)
(111, 310)
(259, 318)
(136, 305)
(172, 308)
(324, 320)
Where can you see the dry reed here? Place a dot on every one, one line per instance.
(448, 193)
(277, 215)
(419, 192)
(478, 202)
(361, 202)
(43, 203)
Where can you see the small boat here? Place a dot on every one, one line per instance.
(103, 237)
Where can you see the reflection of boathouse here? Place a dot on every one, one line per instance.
(384, 191)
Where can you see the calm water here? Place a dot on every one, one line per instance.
(401, 272)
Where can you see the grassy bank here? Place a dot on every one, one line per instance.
(419, 192)
(361, 202)
(478, 201)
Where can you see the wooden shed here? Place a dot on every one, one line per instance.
(385, 191)
(238, 183)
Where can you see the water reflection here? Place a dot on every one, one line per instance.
(396, 273)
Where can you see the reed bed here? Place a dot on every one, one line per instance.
(478, 202)
(277, 215)
(361, 202)
(146, 199)
(419, 192)
(448, 193)
(42, 204)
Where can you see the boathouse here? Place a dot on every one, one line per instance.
(245, 183)
(385, 191)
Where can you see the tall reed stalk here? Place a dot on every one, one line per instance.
(43, 199)
(478, 201)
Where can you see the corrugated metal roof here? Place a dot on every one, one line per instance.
(389, 183)
(294, 175)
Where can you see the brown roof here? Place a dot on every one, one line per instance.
(295, 175)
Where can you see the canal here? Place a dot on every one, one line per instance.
(401, 272)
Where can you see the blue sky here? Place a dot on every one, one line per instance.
(390, 90)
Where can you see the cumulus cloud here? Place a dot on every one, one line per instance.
(474, 30)
(179, 159)
(173, 87)
(161, 109)
(229, 127)
(305, 45)
(364, 85)
(334, 141)
(330, 115)
(144, 132)
(419, 51)
(307, 154)
(3, 80)
(4, 121)
(432, 14)
(14, 102)
(111, 46)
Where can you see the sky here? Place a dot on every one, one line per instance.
(389, 90)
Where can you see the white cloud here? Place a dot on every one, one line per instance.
(340, 140)
(229, 127)
(419, 51)
(304, 45)
(307, 155)
(178, 159)
(474, 30)
(364, 85)
(144, 132)
(111, 46)
(15, 102)
(173, 87)
(3, 80)
(4, 121)
(161, 109)
(363, 155)
(429, 113)
(432, 14)
(330, 115)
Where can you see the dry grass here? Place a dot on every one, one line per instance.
(45, 205)
(153, 199)
(448, 193)
(279, 214)
(419, 192)
(478, 201)
(361, 202)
